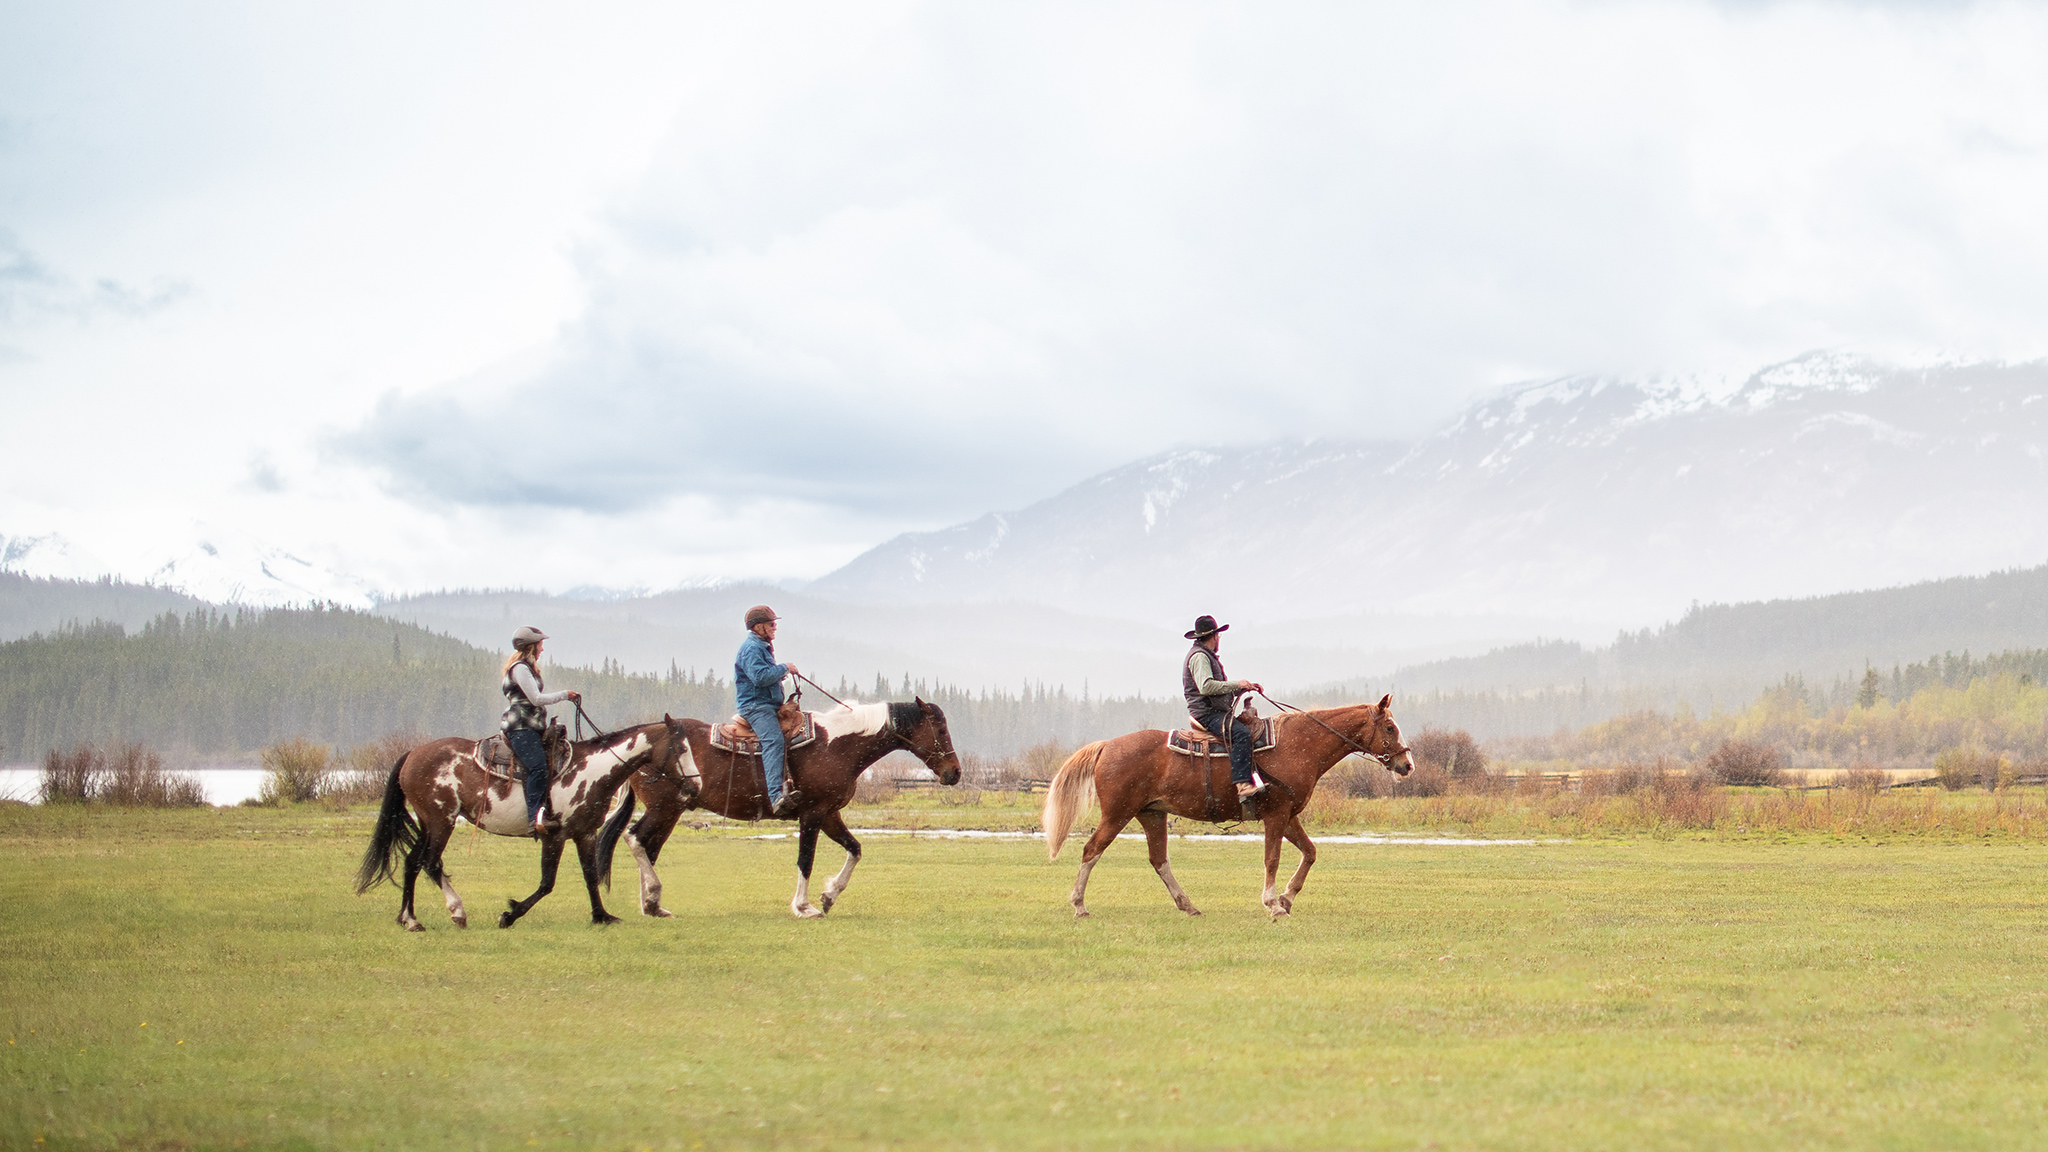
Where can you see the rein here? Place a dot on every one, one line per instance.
(1385, 758)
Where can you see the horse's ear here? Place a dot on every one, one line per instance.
(920, 702)
(1386, 701)
(667, 719)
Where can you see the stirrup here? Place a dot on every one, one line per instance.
(792, 799)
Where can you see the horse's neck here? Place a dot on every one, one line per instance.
(621, 765)
(1328, 749)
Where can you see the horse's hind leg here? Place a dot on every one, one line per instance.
(834, 826)
(433, 866)
(806, 853)
(550, 861)
(1154, 822)
(586, 854)
(406, 919)
(1105, 835)
(1298, 836)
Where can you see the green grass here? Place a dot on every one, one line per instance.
(1616, 994)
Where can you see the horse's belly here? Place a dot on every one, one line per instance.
(503, 815)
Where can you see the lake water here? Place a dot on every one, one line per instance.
(224, 787)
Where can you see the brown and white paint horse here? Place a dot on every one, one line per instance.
(444, 779)
(850, 739)
(1136, 775)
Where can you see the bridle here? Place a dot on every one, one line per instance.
(1386, 759)
(945, 737)
(939, 754)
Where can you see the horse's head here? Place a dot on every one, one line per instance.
(922, 729)
(675, 763)
(1383, 738)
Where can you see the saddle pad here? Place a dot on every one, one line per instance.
(737, 737)
(1195, 742)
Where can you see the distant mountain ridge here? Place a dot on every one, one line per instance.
(1587, 498)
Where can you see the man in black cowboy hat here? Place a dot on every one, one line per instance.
(1211, 699)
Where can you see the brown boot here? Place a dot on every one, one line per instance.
(785, 808)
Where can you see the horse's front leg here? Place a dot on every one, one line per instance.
(586, 854)
(646, 837)
(1298, 836)
(806, 854)
(550, 860)
(835, 827)
(1275, 828)
(1154, 821)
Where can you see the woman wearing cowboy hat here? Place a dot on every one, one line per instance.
(525, 722)
(1211, 699)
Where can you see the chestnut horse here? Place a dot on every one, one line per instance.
(1137, 775)
(444, 779)
(850, 739)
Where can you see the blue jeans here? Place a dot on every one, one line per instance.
(1218, 723)
(533, 757)
(774, 746)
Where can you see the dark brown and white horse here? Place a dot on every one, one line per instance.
(1137, 775)
(850, 739)
(444, 779)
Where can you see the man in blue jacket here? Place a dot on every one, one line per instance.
(757, 682)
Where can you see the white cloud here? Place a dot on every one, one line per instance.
(674, 282)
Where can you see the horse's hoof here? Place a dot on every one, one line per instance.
(1192, 910)
(601, 921)
(1081, 914)
(658, 912)
(808, 912)
(415, 926)
(506, 919)
(460, 921)
(825, 903)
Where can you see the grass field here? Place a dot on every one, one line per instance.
(205, 979)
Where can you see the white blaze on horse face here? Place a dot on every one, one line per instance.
(857, 720)
(687, 765)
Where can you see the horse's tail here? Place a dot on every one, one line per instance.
(1072, 789)
(395, 835)
(613, 829)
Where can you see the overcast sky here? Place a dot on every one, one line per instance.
(618, 294)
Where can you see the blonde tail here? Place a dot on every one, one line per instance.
(1072, 789)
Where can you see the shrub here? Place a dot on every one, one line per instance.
(135, 777)
(71, 777)
(1747, 764)
(1451, 751)
(358, 776)
(1958, 768)
(1864, 779)
(294, 771)
(130, 775)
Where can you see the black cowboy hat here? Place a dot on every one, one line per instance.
(1206, 626)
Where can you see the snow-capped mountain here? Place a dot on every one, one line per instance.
(216, 565)
(1588, 498)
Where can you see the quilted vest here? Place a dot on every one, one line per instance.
(519, 711)
(1198, 703)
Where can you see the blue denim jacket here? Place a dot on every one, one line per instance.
(756, 677)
